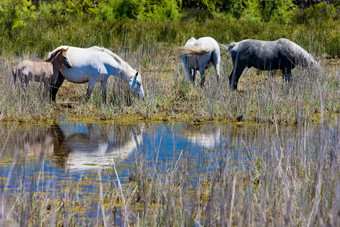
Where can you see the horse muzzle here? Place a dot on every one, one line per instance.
(140, 93)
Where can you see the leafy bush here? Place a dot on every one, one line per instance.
(39, 28)
(316, 13)
(80, 7)
(15, 13)
(161, 9)
(142, 9)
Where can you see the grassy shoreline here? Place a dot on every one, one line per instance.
(171, 97)
(150, 47)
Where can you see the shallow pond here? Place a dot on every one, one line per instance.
(98, 156)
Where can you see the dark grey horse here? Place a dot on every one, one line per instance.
(267, 55)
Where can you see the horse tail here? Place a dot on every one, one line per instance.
(228, 47)
(193, 50)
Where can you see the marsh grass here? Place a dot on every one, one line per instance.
(150, 47)
(170, 96)
(276, 180)
(273, 176)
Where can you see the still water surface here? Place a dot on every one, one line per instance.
(48, 158)
(75, 148)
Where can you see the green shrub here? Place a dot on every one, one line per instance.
(161, 9)
(14, 14)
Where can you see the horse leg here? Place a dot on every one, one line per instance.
(25, 80)
(54, 86)
(217, 72)
(22, 81)
(46, 83)
(187, 69)
(235, 76)
(104, 83)
(202, 72)
(44, 89)
(14, 74)
(216, 62)
(193, 74)
(89, 90)
(287, 75)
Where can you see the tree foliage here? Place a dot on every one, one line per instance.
(15, 13)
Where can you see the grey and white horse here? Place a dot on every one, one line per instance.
(199, 55)
(267, 55)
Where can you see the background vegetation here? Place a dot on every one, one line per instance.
(283, 181)
(146, 33)
(40, 25)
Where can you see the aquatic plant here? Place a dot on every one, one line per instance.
(274, 175)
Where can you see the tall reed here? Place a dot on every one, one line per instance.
(169, 94)
(265, 175)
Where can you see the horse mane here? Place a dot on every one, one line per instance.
(302, 57)
(123, 63)
(109, 52)
(52, 55)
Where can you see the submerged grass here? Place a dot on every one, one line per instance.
(274, 176)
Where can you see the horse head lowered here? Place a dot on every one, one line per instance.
(268, 55)
(96, 64)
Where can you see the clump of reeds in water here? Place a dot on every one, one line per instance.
(280, 183)
(273, 176)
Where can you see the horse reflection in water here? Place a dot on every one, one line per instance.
(204, 136)
(98, 148)
(39, 144)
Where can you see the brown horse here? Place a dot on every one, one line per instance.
(43, 72)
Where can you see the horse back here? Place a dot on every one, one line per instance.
(263, 55)
(89, 63)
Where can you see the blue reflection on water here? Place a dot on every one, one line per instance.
(80, 149)
(81, 156)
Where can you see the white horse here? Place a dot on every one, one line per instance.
(199, 55)
(96, 64)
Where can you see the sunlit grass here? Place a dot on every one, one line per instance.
(170, 96)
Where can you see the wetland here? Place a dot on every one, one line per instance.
(82, 173)
(267, 154)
